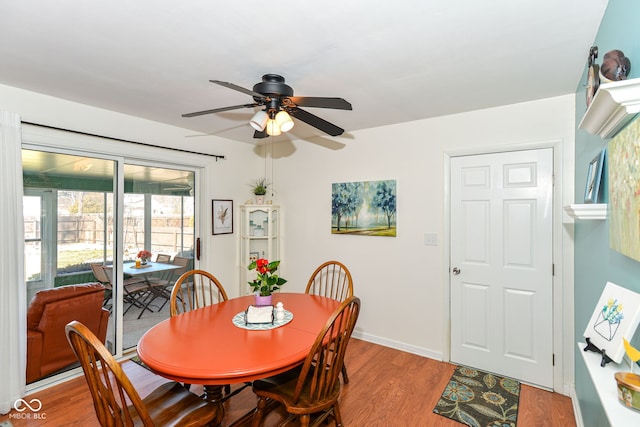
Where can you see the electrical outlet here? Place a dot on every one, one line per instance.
(430, 239)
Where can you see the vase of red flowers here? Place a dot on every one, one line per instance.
(144, 256)
(267, 280)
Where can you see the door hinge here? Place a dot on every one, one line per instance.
(553, 359)
(553, 269)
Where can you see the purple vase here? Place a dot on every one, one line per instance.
(262, 300)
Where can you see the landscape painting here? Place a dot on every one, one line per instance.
(624, 191)
(364, 208)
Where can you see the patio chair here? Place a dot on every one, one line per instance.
(163, 285)
(313, 387)
(116, 401)
(135, 290)
(164, 258)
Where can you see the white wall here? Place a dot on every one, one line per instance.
(400, 280)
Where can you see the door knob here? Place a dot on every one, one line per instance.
(455, 271)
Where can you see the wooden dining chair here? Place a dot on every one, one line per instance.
(195, 289)
(314, 386)
(332, 279)
(116, 401)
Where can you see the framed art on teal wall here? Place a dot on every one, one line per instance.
(594, 177)
(624, 191)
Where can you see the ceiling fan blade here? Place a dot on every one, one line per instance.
(219, 110)
(315, 121)
(238, 88)
(258, 134)
(319, 102)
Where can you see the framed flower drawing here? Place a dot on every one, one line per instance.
(616, 316)
(222, 216)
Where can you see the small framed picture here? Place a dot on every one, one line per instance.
(594, 176)
(616, 316)
(222, 216)
(253, 256)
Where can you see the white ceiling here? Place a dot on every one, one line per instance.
(394, 61)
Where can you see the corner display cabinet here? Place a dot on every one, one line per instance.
(259, 238)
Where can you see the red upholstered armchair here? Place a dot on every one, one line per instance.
(50, 310)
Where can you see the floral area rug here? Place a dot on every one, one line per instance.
(480, 399)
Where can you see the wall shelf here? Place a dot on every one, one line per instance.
(605, 384)
(613, 106)
(587, 211)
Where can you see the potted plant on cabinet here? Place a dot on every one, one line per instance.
(260, 189)
(267, 280)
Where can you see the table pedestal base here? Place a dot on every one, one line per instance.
(213, 393)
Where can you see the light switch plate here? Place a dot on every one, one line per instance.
(430, 239)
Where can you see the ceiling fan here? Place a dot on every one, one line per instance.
(279, 105)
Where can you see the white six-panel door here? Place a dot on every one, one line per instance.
(501, 263)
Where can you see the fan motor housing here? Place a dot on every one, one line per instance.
(273, 85)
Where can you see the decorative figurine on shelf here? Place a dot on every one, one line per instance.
(615, 67)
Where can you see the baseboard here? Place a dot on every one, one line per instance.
(577, 413)
(397, 345)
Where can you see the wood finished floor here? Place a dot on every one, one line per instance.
(387, 388)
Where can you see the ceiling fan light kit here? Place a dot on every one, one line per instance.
(280, 105)
(283, 119)
(259, 120)
(272, 128)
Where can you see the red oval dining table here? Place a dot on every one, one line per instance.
(203, 346)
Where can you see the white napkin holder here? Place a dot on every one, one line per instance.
(259, 314)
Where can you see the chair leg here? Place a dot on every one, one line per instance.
(345, 377)
(259, 412)
(337, 415)
(304, 420)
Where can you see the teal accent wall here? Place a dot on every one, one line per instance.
(595, 262)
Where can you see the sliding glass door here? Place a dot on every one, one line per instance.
(86, 218)
(158, 217)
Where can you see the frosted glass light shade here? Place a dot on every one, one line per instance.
(259, 120)
(273, 129)
(284, 121)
